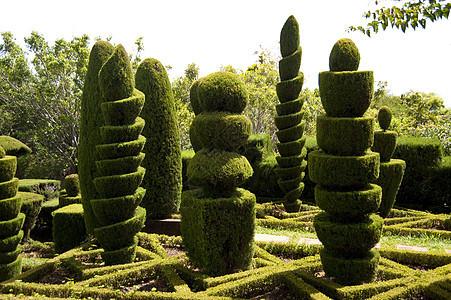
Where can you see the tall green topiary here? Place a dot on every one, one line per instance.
(392, 170)
(289, 119)
(90, 121)
(71, 192)
(163, 161)
(11, 219)
(218, 219)
(120, 175)
(343, 170)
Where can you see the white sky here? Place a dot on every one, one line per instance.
(219, 33)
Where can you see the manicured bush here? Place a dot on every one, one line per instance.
(384, 117)
(120, 185)
(72, 185)
(13, 146)
(91, 119)
(344, 56)
(218, 219)
(68, 227)
(194, 101)
(163, 161)
(31, 207)
(385, 144)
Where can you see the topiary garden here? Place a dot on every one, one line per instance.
(129, 155)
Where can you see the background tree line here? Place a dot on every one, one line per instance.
(40, 94)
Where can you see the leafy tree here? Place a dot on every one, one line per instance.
(411, 13)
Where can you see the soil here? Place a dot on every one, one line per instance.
(174, 251)
(149, 286)
(276, 293)
(59, 276)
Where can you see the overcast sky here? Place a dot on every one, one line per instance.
(219, 33)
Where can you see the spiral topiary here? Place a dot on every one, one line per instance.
(91, 119)
(218, 219)
(391, 170)
(163, 160)
(343, 170)
(11, 219)
(289, 119)
(120, 174)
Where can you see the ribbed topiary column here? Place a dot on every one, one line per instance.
(11, 219)
(90, 121)
(392, 170)
(289, 119)
(218, 219)
(120, 174)
(344, 168)
(163, 161)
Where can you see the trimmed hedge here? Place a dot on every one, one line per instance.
(118, 150)
(91, 119)
(13, 146)
(385, 144)
(31, 207)
(344, 56)
(218, 233)
(69, 228)
(163, 161)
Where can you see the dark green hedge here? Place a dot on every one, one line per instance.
(121, 256)
(13, 146)
(289, 65)
(119, 134)
(291, 119)
(8, 189)
(163, 161)
(218, 233)
(11, 227)
(289, 108)
(68, 227)
(289, 90)
(10, 207)
(291, 134)
(91, 119)
(123, 111)
(72, 185)
(343, 171)
(121, 165)
(117, 150)
(346, 94)
(344, 136)
(222, 130)
(193, 99)
(289, 36)
(31, 207)
(385, 144)
(119, 185)
(8, 166)
(344, 56)
(10, 244)
(293, 148)
(10, 270)
(257, 148)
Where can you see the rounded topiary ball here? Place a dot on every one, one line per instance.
(2, 152)
(384, 117)
(222, 91)
(344, 56)
(72, 185)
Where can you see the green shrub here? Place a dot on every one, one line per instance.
(256, 148)
(121, 165)
(163, 161)
(8, 166)
(119, 185)
(13, 146)
(8, 189)
(385, 144)
(289, 65)
(68, 227)
(121, 256)
(123, 111)
(91, 119)
(193, 99)
(187, 155)
(346, 94)
(31, 207)
(384, 116)
(10, 207)
(291, 134)
(288, 108)
(289, 36)
(118, 150)
(10, 244)
(344, 136)
(12, 226)
(288, 90)
(344, 56)
(9, 257)
(47, 187)
(218, 233)
(11, 270)
(72, 185)
(119, 134)
(293, 148)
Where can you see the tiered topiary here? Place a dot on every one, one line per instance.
(71, 194)
(392, 170)
(197, 109)
(344, 168)
(11, 219)
(120, 174)
(90, 121)
(289, 119)
(163, 161)
(218, 219)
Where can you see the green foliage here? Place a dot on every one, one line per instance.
(289, 36)
(31, 207)
(385, 144)
(40, 98)
(411, 13)
(384, 117)
(13, 146)
(163, 179)
(218, 233)
(123, 111)
(12, 269)
(9, 189)
(116, 78)
(72, 185)
(10, 207)
(68, 227)
(120, 184)
(344, 56)
(90, 123)
(346, 94)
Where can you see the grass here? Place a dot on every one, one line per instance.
(434, 244)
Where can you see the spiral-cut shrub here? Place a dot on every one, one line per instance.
(218, 219)
(391, 170)
(120, 175)
(11, 219)
(91, 119)
(343, 170)
(289, 119)
(163, 160)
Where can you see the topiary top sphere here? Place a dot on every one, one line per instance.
(384, 117)
(222, 91)
(2, 152)
(72, 185)
(344, 56)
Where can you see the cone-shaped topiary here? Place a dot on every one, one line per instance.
(163, 160)
(343, 170)
(11, 219)
(71, 193)
(391, 170)
(289, 119)
(120, 109)
(218, 219)
(91, 120)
